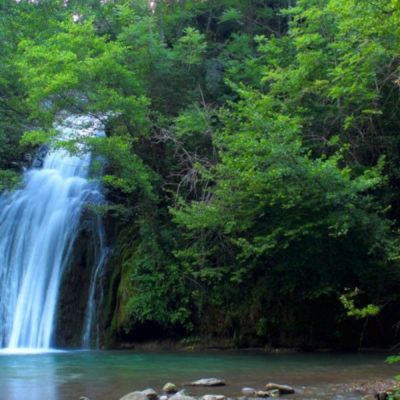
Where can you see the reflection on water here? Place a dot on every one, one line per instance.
(109, 375)
(33, 380)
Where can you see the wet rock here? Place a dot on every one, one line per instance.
(164, 397)
(150, 394)
(213, 397)
(247, 391)
(262, 393)
(180, 396)
(274, 393)
(207, 382)
(83, 398)
(283, 389)
(134, 396)
(40, 156)
(382, 396)
(169, 388)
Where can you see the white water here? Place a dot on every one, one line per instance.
(38, 226)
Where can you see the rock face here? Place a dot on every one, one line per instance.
(169, 388)
(72, 303)
(283, 389)
(207, 382)
(134, 396)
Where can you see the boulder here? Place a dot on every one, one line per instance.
(170, 388)
(180, 396)
(283, 389)
(247, 391)
(134, 396)
(150, 394)
(274, 393)
(262, 393)
(207, 382)
(213, 397)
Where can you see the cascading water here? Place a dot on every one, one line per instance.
(95, 295)
(39, 224)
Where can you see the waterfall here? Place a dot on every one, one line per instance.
(95, 295)
(39, 224)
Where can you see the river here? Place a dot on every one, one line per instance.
(108, 375)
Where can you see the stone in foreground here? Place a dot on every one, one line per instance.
(150, 394)
(247, 391)
(262, 393)
(207, 382)
(169, 388)
(283, 389)
(134, 396)
(213, 397)
(179, 396)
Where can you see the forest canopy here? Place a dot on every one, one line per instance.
(252, 155)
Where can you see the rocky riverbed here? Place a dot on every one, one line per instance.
(364, 390)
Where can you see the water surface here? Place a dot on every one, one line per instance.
(108, 375)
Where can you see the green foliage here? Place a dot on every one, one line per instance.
(251, 159)
(190, 48)
(231, 14)
(191, 121)
(348, 301)
(127, 174)
(37, 137)
(159, 286)
(77, 70)
(272, 198)
(8, 180)
(393, 359)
